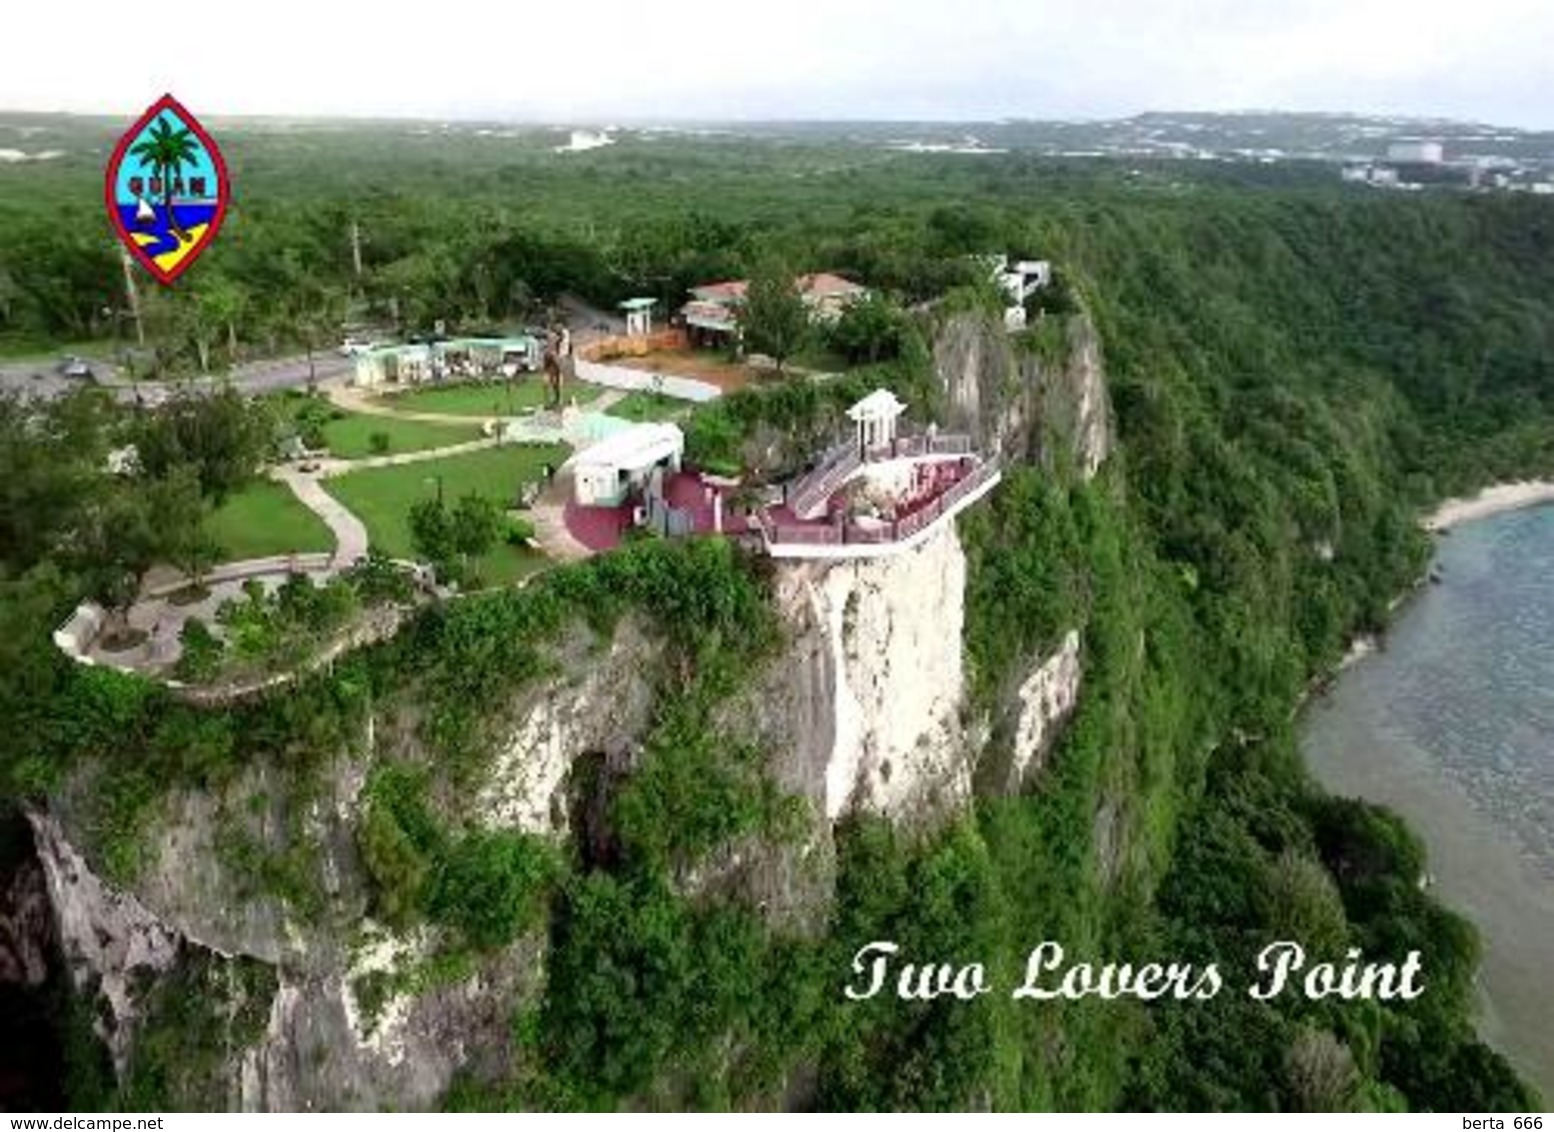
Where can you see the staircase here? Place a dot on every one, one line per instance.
(808, 498)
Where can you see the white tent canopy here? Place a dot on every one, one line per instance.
(606, 472)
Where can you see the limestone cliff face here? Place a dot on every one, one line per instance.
(864, 706)
(322, 1045)
(27, 943)
(108, 937)
(1030, 721)
(1027, 406)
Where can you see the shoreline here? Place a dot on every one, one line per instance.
(1352, 747)
(1493, 500)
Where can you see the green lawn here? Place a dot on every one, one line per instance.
(819, 358)
(495, 399)
(265, 518)
(649, 407)
(33, 349)
(382, 497)
(350, 437)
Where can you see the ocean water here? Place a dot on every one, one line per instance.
(1452, 725)
(189, 214)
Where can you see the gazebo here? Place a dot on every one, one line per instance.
(639, 316)
(874, 419)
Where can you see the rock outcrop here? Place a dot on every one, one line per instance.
(864, 708)
(1025, 405)
(1043, 704)
(109, 939)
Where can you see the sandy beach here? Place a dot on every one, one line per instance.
(1491, 501)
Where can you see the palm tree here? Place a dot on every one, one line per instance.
(166, 151)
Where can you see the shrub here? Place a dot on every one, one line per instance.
(491, 886)
(202, 651)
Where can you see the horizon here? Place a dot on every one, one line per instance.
(627, 122)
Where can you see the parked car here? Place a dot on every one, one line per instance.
(75, 367)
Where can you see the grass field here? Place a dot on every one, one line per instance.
(34, 349)
(265, 518)
(382, 497)
(490, 400)
(649, 407)
(350, 437)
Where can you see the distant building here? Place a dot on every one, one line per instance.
(1019, 280)
(1416, 152)
(449, 360)
(712, 315)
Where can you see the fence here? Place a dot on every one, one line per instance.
(816, 487)
(632, 345)
(621, 377)
(897, 531)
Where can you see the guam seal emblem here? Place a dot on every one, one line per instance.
(167, 189)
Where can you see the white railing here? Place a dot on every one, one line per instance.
(895, 531)
(947, 444)
(816, 486)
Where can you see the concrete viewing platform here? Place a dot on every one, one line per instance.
(875, 495)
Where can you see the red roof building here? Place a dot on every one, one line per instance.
(714, 307)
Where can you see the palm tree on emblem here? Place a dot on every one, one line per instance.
(166, 151)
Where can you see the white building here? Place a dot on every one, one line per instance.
(453, 358)
(639, 316)
(605, 474)
(1416, 152)
(1019, 281)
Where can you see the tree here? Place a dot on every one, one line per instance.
(53, 458)
(431, 532)
(223, 436)
(223, 303)
(449, 538)
(193, 324)
(166, 151)
(476, 525)
(491, 886)
(119, 538)
(1320, 1072)
(872, 329)
(179, 508)
(774, 319)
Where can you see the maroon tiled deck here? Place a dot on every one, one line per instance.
(601, 528)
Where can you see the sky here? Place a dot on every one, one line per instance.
(612, 60)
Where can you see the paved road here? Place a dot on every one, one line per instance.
(39, 377)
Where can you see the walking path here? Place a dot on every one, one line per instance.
(330, 466)
(354, 400)
(550, 523)
(349, 531)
